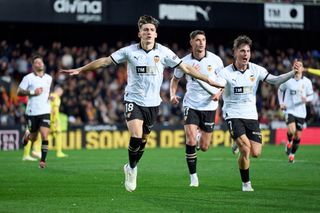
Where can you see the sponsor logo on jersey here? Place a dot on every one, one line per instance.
(243, 90)
(150, 70)
(238, 90)
(293, 92)
(141, 69)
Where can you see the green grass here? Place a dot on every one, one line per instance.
(92, 181)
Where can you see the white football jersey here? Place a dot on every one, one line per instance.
(240, 91)
(145, 72)
(291, 93)
(196, 96)
(37, 105)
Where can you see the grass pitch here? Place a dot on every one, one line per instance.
(92, 181)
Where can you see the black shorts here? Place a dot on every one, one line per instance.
(147, 114)
(34, 122)
(249, 127)
(292, 119)
(203, 119)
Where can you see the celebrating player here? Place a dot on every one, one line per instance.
(145, 62)
(200, 102)
(239, 108)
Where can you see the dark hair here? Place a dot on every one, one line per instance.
(34, 57)
(146, 19)
(194, 33)
(243, 39)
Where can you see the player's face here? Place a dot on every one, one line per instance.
(147, 33)
(38, 65)
(198, 44)
(242, 55)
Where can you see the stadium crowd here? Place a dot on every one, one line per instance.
(96, 97)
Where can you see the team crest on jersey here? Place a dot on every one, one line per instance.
(156, 59)
(209, 68)
(252, 78)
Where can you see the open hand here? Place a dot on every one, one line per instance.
(71, 71)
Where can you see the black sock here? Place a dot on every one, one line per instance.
(44, 150)
(191, 157)
(295, 145)
(289, 136)
(141, 149)
(133, 148)
(244, 175)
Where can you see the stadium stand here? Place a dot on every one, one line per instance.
(96, 97)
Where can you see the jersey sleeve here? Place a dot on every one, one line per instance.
(120, 55)
(309, 91)
(220, 66)
(24, 83)
(178, 73)
(221, 74)
(283, 87)
(263, 73)
(171, 59)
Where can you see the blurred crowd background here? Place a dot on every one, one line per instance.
(96, 97)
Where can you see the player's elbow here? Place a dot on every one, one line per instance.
(19, 92)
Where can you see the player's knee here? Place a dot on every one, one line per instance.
(256, 153)
(191, 142)
(204, 148)
(244, 150)
(33, 137)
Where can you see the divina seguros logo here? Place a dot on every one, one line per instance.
(85, 10)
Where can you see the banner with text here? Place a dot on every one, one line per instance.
(115, 137)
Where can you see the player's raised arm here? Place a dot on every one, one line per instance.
(96, 64)
(193, 71)
(313, 71)
(272, 79)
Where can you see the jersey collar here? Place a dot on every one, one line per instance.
(236, 69)
(35, 74)
(155, 46)
(205, 55)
